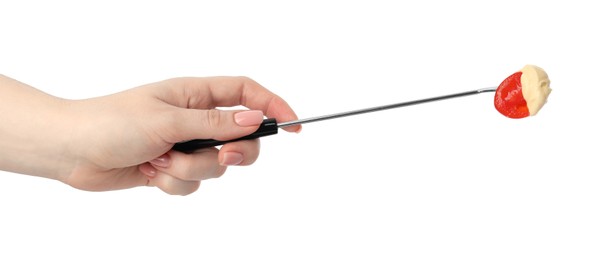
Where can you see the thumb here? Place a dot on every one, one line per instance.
(213, 124)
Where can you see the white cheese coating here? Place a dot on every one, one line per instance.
(535, 87)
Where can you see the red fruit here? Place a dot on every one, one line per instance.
(509, 100)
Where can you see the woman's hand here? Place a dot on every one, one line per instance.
(124, 140)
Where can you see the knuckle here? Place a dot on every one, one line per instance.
(181, 189)
(185, 174)
(191, 188)
(245, 79)
(214, 118)
(182, 170)
(219, 172)
(211, 172)
(247, 82)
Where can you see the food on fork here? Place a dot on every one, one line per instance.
(523, 93)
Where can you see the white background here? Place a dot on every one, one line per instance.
(446, 180)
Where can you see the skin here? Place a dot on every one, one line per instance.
(123, 140)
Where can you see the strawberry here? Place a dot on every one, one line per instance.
(509, 100)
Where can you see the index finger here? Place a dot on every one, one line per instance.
(212, 92)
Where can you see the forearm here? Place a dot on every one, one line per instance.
(33, 135)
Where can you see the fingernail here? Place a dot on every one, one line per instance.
(249, 118)
(232, 158)
(162, 161)
(149, 171)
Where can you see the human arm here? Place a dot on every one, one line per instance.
(123, 140)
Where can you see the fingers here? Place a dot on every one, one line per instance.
(188, 124)
(211, 92)
(180, 174)
(189, 106)
(197, 166)
(239, 153)
(174, 186)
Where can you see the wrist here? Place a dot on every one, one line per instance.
(33, 131)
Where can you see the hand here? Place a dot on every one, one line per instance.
(124, 140)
